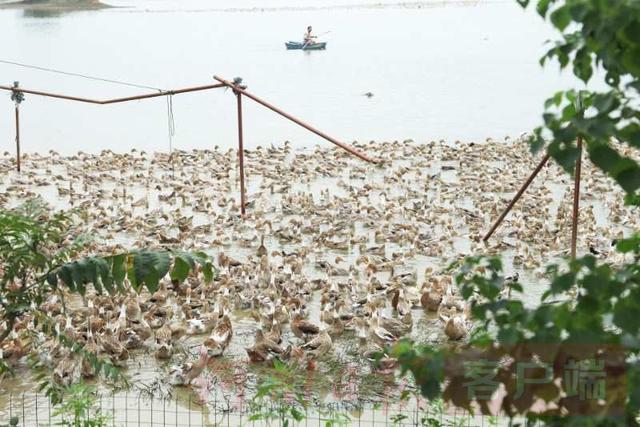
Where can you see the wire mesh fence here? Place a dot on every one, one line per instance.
(138, 410)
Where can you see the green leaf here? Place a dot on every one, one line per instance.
(631, 60)
(119, 269)
(582, 65)
(629, 245)
(627, 174)
(631, 134)
(561, 17)
(180, 270)
(631, 32)
(147, 269)
(543, 7)
(64, 273)
(603, 156)
(578, 11)
(52, 279)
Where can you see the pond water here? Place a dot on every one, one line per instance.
(462, 70)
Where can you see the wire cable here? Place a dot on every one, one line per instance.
(84, 76)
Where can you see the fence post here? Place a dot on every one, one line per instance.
(17, 138)
(241, 153)
(576, 200)
(17, 97)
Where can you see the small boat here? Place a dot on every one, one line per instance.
(306, 46)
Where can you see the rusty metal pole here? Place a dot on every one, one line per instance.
(517, 197)
(310, 128)
(17, 137)
(240, 153)
(576, 200)
(116, 100)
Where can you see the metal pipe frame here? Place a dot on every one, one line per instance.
(517, 197)
(299, 122)
(238, 91)
(115, 100)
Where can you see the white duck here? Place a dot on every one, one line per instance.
(220, 337)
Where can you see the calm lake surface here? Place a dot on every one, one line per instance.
(454, 70)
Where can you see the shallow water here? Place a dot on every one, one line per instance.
(452, 191)
(459, 69)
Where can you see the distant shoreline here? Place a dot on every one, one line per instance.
(55, 5)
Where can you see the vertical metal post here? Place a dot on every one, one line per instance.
(517, 197)
(576, 200)
(241, 154)
(17, 137)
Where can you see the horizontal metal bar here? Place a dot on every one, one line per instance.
(115, 100)
(345, 147)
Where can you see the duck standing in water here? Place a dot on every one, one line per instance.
(164, 342)
(220, 338)
(320, 345)
(302, 328)
(455, 326)
(182, 375)
(67, 371)
(264, 349)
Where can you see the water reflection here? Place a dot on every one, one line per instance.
(42, 13)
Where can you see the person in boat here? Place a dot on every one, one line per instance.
(309, 38)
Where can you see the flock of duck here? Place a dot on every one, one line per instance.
(331, 250)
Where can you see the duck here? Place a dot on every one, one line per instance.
(455, 327)
(88, 369)
(110, 345)
(204, 322)
(302, 328)
(380, 335)
(135, 335)
(12, 349)
(262, 249)
(160, 296)
(320, 345)
(431, 299)
(184, 374)
(67, 371)
(159, 315)
(133, 311)
(164, 342)
(220, 337)
(275, 333)
(264, 349)
(380, 361)
(396, 327)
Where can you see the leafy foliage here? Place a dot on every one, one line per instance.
(12, 422)
(80, 408)
(37, 248)
(278, 399)
(595, 35)
(601, 319)
(31, 246)
(589, 304)
(141, 268)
